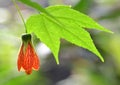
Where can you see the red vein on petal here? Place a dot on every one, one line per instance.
(28, 59)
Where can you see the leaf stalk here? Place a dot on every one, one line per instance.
(19, 12)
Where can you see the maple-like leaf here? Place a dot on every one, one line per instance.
(56, 22)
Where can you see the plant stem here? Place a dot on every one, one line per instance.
(19, 12)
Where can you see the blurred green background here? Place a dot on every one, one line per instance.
(77, 65)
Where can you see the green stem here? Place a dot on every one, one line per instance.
(36, 6)
(19, 12)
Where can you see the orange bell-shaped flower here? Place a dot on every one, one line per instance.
(27, 58)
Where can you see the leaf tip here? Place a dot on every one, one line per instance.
(99, 56)
(56, 58)
(109, 31)
(57, 61)
(102, 60)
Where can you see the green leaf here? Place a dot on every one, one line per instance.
(66, 13)
(67, 24)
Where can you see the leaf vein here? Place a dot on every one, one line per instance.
(59, 24)
(47, 31)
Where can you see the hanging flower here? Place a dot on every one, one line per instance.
(27, 58)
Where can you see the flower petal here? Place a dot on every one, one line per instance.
(28, 58)
(36, 62)
(20, 58)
